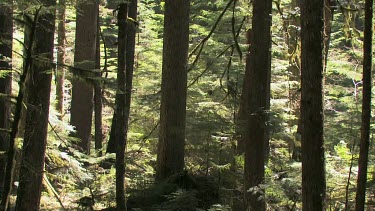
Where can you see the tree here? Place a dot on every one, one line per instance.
(257, 103)
(60, 71)
(6, 31)
(29, 33)
(170, 157)
(313, 161)
(98, 97)
(39, 88)
(129, 69)
(120, 119)
(366, 109)
(84, 60)
(126, 47)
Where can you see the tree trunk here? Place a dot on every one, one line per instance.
(312, 64)
(257, 104)
(6, 32)
(329, 8)
(170, 158)
(120, 139)
(130, 52)
(35, 140)
(60, 71)
(126, 49)
(360, 198)
(241, 121)
(19, 111)
(111, 146)
(98, 98)
(84, 59)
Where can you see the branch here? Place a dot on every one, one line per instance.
(201, 44)
(208, 66)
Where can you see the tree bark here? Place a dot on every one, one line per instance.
(39, 88)
(60, 71)
(360, 198)
(120, 134)
(170, 158)
(241, 121)
(84, 59)
(312, 65)
(6, 34)
(98, 98)
(130, 55)
(257, 104)
(19, 111)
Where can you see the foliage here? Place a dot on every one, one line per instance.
(215, 83)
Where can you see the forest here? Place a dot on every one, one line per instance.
(186, 105)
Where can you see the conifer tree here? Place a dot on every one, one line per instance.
(366, 108)
(312, 65)
(257, 101)
(38, 102)
(170, 158)
(84, 61)
(6, 32)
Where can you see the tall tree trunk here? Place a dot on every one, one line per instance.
(329, 8)
(84, 59)
(293, 37)
(29, 34)
(98, 98)
(130, 52)
(170, 158)
(241, 121)
(312, 64)
(360, 198)
(126, 49)
(257, 103)
(120, 134)
(60, 71)
(39, 88)
(6, 34)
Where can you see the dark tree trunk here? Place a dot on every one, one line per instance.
(98, 98)
(111, 146)
(120, 139)
(329, 8)
(35, 140)
(19, 111)
(126, 49)
(170, 158)
(291, 26)
(84, 58)
(6, 32)
(360, 198)
(312, 64)
(130, 52)
(60, 71)
(241, 121)
(257, 104)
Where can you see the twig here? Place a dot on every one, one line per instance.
(50, 188)
(207, 67)
(201, 44)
